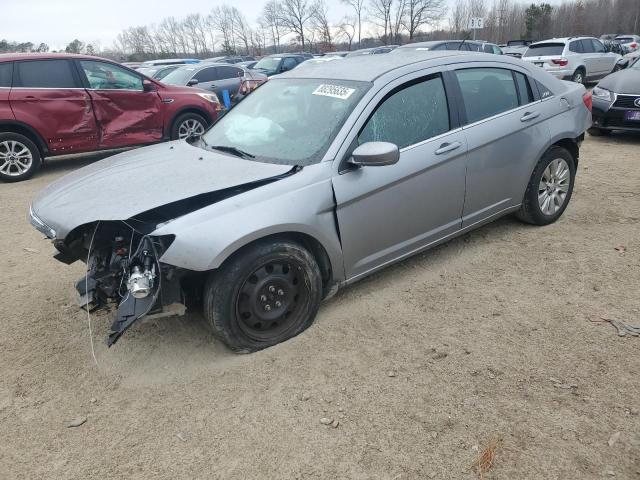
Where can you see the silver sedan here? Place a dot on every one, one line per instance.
(319, 178)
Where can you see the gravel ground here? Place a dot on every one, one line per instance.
(488, 338)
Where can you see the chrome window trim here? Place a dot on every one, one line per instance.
(47, 88)
(501, 114)
(429, 140)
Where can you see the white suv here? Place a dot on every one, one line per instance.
(579, 59)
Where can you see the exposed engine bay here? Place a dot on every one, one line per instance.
(123, 270)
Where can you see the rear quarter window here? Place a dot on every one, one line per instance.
(544, 50)
(6, 73)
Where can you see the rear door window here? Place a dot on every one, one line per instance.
(544, 50)
(45, 74)
(524, 88)
(229, 72)
(411, 115)
(6, 74)
(487, 92)
(208, 75)
(587, 46)
(576, 47)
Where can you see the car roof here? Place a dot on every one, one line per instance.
(562, 40)
(205, 64)
(8, 57)
(367, 68)
(432, 43)
(282, 55)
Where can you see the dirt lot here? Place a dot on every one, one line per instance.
(487, 337)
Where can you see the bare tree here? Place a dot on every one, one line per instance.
(294, 16)
(358, 9)
(320, 23)
(223, 22)
(419, 13)
(397, 19)
(272, 20)
(346, 29)
(380, 13)
(241, 28)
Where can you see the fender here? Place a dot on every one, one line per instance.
(302, 203)
(35, 136)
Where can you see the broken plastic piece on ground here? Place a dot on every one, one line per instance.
(624, 329)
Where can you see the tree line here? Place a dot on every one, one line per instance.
(307, 25)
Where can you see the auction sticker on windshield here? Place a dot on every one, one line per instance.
(335, 91)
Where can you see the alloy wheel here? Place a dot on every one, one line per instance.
(554, 186)
(270, 300)
(190, 128)
(15, 158)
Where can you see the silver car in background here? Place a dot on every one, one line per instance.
(319, 178)
(579, 59)
(630, 43)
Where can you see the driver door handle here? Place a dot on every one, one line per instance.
(448, 147)
(529, 116)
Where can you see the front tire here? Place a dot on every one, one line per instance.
(263, 295)
(19, 157)
(188, 125)
(550, 188)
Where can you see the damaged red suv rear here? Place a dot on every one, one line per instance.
(56, 104)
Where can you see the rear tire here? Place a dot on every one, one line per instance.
(188, 124)
(263, 295)
(550, 188)
(598, 132)
(578, 76)
(19, 157)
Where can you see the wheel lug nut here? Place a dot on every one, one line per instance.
(280, 292)
(272, 289)
(278, 304)
(263, 298)
(267, 307)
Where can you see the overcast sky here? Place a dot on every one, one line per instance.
(57, 22)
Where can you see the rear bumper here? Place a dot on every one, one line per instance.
(612, 118)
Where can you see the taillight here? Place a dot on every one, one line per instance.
(587, 98)
(560, 61)
(634, 45)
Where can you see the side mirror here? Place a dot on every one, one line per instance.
(148, 86)
(375, 154)
(192, 82)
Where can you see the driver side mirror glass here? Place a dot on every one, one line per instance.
(375, 154)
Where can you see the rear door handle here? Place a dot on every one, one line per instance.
(31, 98)
(448, 147)
(529, 116)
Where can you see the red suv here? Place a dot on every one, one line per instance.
(59, 104)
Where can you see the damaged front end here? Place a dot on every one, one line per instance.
(124, 271)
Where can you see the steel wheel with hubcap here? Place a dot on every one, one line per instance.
(19, 157)
(550, 187)
(269, 300)
(554, 186)
(264, 294)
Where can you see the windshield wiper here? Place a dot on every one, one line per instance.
(233, 151)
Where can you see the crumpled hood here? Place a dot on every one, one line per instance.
(623, 81)
(129, 183)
